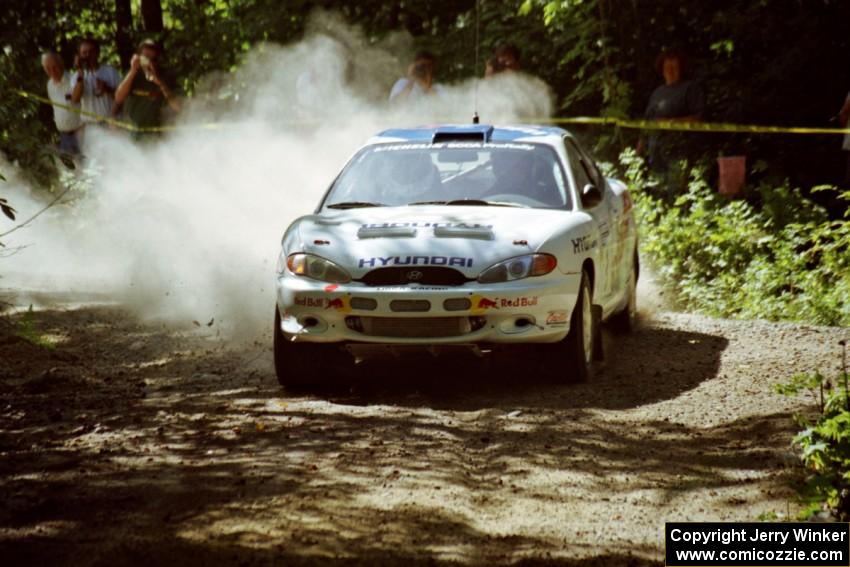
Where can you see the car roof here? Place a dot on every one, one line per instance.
(472, 132)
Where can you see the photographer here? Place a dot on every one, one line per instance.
(419, 81)
(505, 59)
(147, 91)
(93, 85)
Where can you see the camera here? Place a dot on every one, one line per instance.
(145, 64)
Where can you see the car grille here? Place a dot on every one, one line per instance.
(425, 275)
(414, 327)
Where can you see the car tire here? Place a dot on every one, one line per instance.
(297, 365)
(625, 321)
(577, 350)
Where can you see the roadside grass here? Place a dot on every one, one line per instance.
(27, 329)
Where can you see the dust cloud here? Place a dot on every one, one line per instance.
(187, 227)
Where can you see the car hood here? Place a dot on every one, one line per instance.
(467, 238)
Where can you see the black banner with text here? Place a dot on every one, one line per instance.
(694, 544)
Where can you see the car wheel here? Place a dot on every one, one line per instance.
(297, 365)
(577, 349)
(625, 321)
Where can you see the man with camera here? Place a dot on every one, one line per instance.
(146, 90)
(93, 84)
(505, 59)
(419, 81)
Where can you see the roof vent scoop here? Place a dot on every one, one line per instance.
(472, 133)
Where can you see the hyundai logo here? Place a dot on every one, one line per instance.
(414, 275)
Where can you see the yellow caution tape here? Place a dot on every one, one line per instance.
(692, 126)
(113, 121)
(670, 125)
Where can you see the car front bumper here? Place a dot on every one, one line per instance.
(532, 310)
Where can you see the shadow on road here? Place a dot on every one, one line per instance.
(134, 445)
(651, 365)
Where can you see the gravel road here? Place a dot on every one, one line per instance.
(130, 442)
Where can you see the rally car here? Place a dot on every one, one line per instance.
(463, 236)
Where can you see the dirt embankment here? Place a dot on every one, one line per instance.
(132, 443)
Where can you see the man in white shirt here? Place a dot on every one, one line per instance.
(59, 91)
(419, 82)
(93, 84)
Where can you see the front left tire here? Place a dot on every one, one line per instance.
(302, 364)
(625, 321)
(574, 355)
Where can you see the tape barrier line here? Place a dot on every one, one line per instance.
(113, 121)
(694, 126)
(604, 121)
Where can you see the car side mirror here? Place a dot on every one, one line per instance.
(590, 196)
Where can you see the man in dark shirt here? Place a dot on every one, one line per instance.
(146, 92)
(677, 100)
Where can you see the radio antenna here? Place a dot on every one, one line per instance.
(475, 118)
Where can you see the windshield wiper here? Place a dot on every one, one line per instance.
(354, 205)
(470, 203)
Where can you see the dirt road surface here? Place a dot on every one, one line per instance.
(136, 443)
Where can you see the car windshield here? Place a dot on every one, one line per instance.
(453, 173)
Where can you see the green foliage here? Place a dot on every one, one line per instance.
(778, 257)
(28, 330)
(825, 446)
(598, 56)
(738, 51)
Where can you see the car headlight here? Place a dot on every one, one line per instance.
(527, 266)
(317, 268)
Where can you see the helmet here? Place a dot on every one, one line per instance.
(412, 177)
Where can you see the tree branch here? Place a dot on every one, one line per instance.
(36, 215)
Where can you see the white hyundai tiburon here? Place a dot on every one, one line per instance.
(469, 236)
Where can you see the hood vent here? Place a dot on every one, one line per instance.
(480, 233)
(472, 133)
(386, 232)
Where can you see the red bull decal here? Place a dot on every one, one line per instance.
(337, 303)
(481, 303)
(519, 302)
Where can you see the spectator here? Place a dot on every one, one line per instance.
(59, 92)
(505, 58)
(843, 117)
(490, 67)
(677, 100)
(146, 89)
(93, 84)
(419, 81)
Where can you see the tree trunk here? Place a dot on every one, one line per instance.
(152, 16)
(124, 19)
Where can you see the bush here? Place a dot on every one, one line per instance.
(825, 446)
(776, 256)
